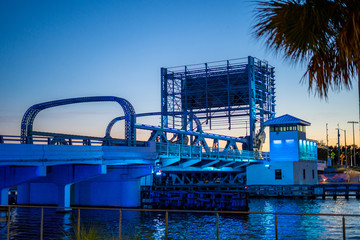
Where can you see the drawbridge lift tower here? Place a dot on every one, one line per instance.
(237, 93)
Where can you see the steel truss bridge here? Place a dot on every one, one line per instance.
(175, 147)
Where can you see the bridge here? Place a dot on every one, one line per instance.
(45, 165)
(63, 169)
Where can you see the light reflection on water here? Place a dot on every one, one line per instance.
(25, 223)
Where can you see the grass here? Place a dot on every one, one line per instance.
(88, 233)
(95, 233)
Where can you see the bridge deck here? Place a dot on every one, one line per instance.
(59, 149)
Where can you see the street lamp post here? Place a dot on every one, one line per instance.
(338, 130)
(353, 158)
(346, 158)
(327, 147)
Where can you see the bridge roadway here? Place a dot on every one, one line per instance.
(82, 170)
(109, 151)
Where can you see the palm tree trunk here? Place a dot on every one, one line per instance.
(358, 71)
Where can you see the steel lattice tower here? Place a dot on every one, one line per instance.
(230, 93)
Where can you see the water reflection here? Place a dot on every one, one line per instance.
(25, 223)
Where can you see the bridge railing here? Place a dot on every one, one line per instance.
(188, 151)
(61, 139)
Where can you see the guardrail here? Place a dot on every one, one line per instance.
(165, 149)
(64, 139)
(78, 227)
(188, 151)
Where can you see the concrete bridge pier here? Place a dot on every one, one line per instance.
(120, 187)
(54, 188)
(11, 176)
(4, 198)
(63, 196)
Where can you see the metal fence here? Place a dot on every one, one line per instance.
(41, 227)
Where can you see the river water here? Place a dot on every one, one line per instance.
(25, 223)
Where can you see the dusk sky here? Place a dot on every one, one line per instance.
(53, 50)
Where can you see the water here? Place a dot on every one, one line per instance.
(151, 225)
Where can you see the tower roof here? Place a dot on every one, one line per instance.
(286, 119)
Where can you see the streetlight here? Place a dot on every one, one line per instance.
(346, 158)
(338, 130)
(327, 148)
(353, 158)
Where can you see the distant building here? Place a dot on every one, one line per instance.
(293, 158)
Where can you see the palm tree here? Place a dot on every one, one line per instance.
(324, 34)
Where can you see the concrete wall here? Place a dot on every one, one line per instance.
(261, 174)
(37, 193)
(120, 187)
(115, 194)
(291, 173)
(309, 167)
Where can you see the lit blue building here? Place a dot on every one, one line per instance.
(293, 158)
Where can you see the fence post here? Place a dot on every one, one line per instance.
(8, 222)
(166, 224)
(343, 223)
(276, 228)
(42, 224)
(120, 224)
(78, 224)
(217, 226)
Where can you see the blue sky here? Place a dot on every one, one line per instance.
(60, 49)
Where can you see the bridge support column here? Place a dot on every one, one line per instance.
(4, 200)
(4, 196)
(120, 187)
(63, 197)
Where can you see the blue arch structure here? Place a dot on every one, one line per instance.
(29, 116)
(117, 119)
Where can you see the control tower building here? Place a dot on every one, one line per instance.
(293, 158)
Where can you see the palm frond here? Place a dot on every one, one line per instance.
(325, 34)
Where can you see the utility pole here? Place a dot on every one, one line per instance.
(353, 158)
(327, 147)
(338, 129)
(346, 159)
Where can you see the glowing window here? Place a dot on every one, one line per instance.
(277, 141)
